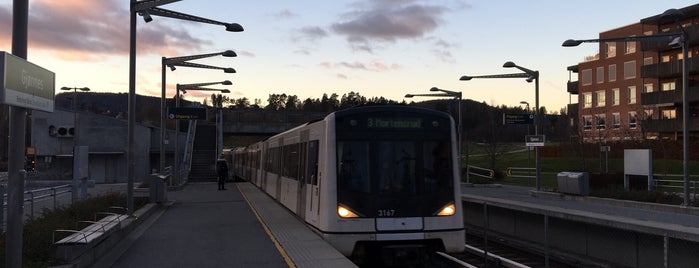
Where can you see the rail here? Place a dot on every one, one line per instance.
(478, 172)
(674, 184)
(515, 172)
(32, 197)
(40, 194)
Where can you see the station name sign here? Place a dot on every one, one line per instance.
(517, 119)
(187, 113)
(535, 140)
(25, 84)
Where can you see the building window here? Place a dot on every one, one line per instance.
(616, 120)
(587, 122)
(615, 96)
(648, 61)
(667, 86)
(600, 75)
(631, 94)
(629, 69)
(647, 114)
(586, 77)
(630, 47)
(612, 72)
(647, 88)
(669, 113)
(587, 100)
(601, 100)
(600, 121)
(665, 58)
(632, 120)
(610, 48)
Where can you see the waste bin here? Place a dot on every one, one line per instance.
(158, 188)
(577, 183)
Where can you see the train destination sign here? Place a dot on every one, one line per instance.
(517, 119)
(377, 122)
(25, 84)
(186, 113)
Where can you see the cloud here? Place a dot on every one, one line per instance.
(285, 14)
(373, 66)
(88, 30)
(311, 33)
(388, 21)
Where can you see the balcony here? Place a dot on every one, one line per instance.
(671, 96)
(573, 87)
(669, 69)
(669, 125)
(663, 44)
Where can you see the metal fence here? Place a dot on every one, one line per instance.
(675, 185)
(38, 199)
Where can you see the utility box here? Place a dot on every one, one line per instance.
(577, 183)
(158, 188)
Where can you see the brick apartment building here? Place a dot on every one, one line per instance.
(633, 90)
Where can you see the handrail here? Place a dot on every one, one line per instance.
(33, 197)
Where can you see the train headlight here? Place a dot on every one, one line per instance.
(448, 210)
(345, 213)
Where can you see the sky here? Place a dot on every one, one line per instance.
(377, 48)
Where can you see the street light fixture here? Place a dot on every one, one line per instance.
(533, 76)
(184, 88)
(182, 61)
(457, 96)
(675, 38)
(530, 76)
(146, 8)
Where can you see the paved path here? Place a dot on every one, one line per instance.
(202, 228)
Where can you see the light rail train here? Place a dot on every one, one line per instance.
(366, 179)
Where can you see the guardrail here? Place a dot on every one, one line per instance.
(478, 172)
(40, 194)
(516, 172)
(675, 184)
(32, 197)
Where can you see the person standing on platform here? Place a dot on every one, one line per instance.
(222, 171)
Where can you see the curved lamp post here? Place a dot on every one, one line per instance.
(182, 61)
(146, 8)
(457, 96)
(530, 76)
(680, 38)
(184, 88)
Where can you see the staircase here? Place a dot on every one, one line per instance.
(204, 154)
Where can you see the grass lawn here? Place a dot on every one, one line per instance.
(516, 155)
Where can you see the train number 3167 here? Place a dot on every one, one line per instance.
(386, 212)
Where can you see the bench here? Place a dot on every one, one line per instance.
(82, 239)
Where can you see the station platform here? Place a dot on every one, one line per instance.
(657, 219)
(663, 220)
(238, 227)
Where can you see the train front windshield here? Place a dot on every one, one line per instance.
(395, 164)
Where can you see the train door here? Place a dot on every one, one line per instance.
(312, 182)
(303, 175)
(278, 169)
(266, 157)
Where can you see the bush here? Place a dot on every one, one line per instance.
(654, 196)
(38, 249)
